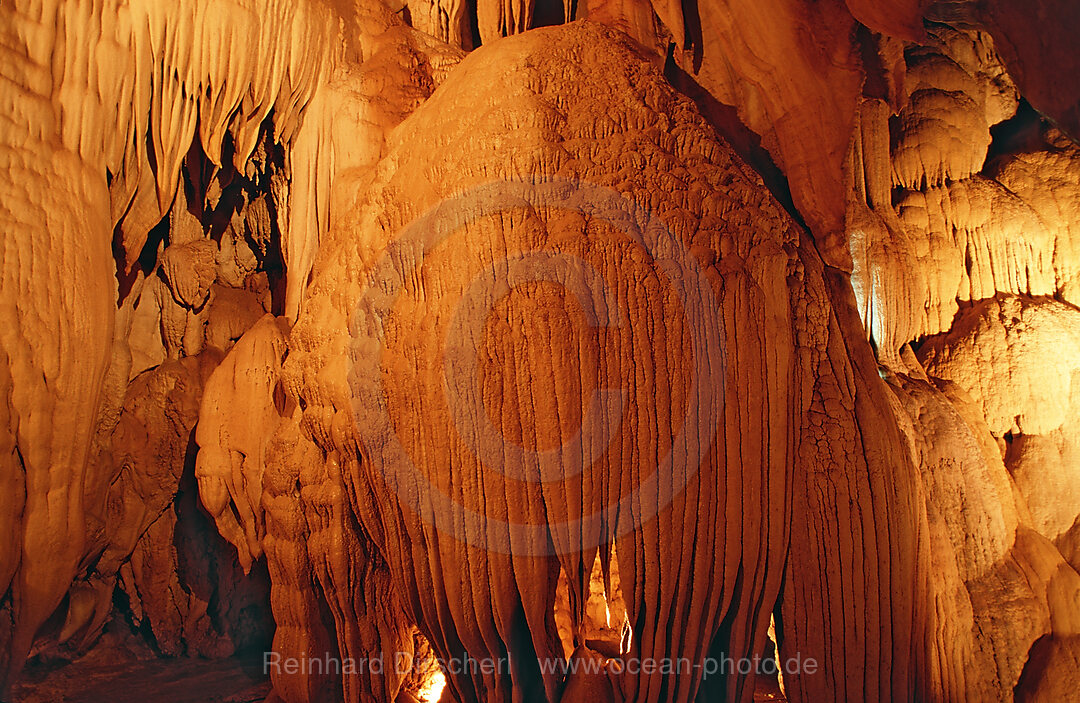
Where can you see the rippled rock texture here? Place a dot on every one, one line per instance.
(595, 344)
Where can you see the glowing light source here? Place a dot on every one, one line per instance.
(433, 688)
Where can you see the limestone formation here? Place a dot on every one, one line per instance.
(542, 351)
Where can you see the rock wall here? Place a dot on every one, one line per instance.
(428, 328)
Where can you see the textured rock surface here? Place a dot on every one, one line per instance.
(455, 590)
(1027, 398)
(124, 670)
(95, 94)
(314, 325)
(533, 82)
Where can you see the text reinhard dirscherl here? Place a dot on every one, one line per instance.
(402, 663)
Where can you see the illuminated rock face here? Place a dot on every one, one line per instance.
(597, 355)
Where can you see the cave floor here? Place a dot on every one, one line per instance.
(180, 680)
(102, 676)
(120, 668)
(118, 671)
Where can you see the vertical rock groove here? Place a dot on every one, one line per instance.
(598, 352)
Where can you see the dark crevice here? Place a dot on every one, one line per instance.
(548, 13)
(730, 128)
(206, 562)
(1019, 134)
(144, 265)
(876, 84)
(693, 38)
(474, 27)
(1035, 669)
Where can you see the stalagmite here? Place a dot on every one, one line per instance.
(391, 351)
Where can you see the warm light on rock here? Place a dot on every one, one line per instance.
(385, 351)
(432, 689)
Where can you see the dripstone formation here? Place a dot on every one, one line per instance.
(543, 352)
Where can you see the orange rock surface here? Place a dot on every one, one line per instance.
(619, 348)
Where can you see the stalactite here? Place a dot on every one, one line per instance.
(681, 332)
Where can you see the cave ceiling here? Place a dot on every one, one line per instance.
(564, 351)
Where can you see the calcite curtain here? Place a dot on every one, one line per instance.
(578, 351)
